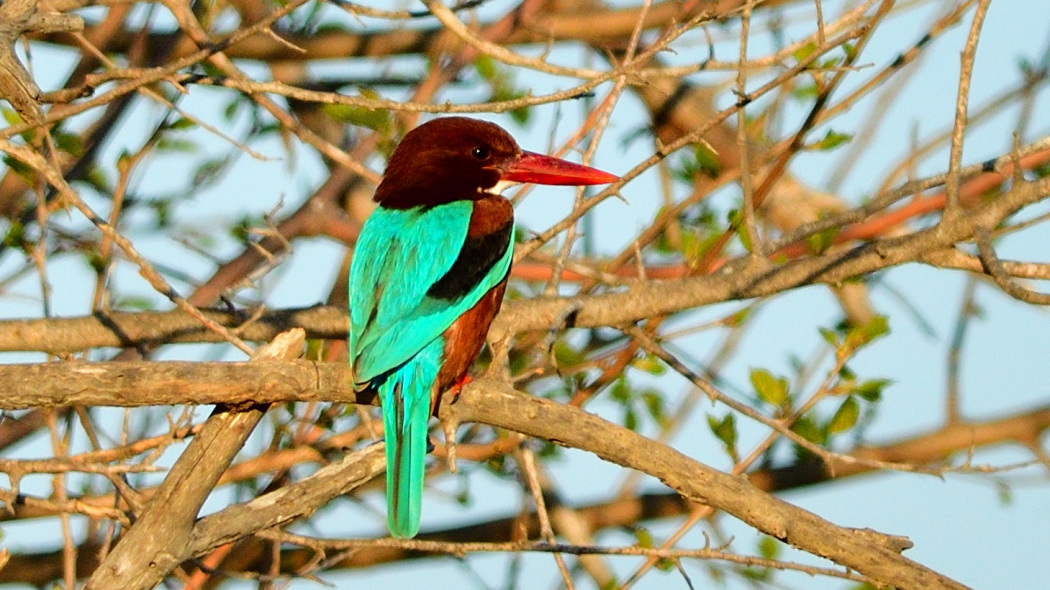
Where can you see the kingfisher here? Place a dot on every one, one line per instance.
(428, 275)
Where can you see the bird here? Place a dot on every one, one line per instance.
(427, 277)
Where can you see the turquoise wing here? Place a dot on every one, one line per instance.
(399, 256)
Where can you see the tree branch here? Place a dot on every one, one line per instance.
(18, 17)
(494, 403)
(154, 544)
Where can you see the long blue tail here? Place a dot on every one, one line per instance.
(405, 397)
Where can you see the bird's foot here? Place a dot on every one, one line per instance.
(459, 385)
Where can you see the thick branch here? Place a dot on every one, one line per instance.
(134, 330)
(156, 541)
(131, 384)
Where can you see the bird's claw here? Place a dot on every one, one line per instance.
(459, 385)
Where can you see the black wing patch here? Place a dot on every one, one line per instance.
(476, 258)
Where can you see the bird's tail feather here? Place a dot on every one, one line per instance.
(405, 395)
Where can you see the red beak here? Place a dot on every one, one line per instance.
(540, 169)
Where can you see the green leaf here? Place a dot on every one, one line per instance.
(874, 329)
(650, 364)
(96, 262)
(768, 547)
(695, 247)
(242, 230)
(210, 171)
(847, 374)
(212, 70)
(831, 63)
(124, 160)
(497, 463)
(761, 574)
(737, 319)
(181, 123)
(871, 390)
(172, 145)
(831, 140)
(630, 419)
(770, 389)
(745, 238)
(25, 172)
(505, 91)
(1006, 496)
(830, 337)
(805, 91)
(621, 391)
(803, 53)
(724, 430)
(549, 450)
(736, 219)
(16, 236)
(375, 119)
(845, 417)
(850, 49)
(805, 428)
(133, 302)
(330, 27)
(520, 115)
(565, 354)
(820, 242)
(163, 210)
(1041, 171)
(315, 348)
(486, 67)
(644, 538)
(666, 565)
(654, 402)
(69, 143)
(96, 178)
(707, 160)
(231, 109)
(12, 117)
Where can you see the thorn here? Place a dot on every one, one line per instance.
(449, 426)
(499, 367)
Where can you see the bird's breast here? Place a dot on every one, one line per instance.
(465, 337)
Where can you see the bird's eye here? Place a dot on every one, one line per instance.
(480, 152)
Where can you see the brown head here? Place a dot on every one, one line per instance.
(457, 158)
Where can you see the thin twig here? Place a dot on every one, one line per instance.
(961, 103)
